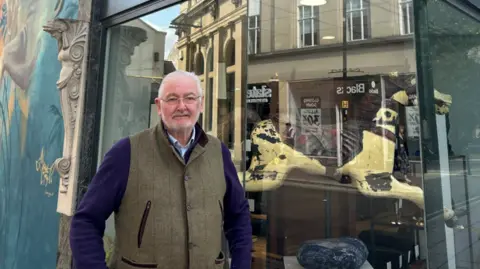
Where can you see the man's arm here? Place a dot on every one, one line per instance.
(237, 225)
(102, 198)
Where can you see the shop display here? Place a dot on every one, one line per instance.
(341, 253)
(368, 156)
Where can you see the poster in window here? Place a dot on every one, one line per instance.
(311, 119)
(413, 121)
(310, 114)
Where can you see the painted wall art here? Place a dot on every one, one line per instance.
(31, 132)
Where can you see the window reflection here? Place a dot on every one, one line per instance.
(319, 104)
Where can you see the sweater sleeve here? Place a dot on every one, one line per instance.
(237, 225)
(102, 198)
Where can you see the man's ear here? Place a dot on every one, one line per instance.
(158, 104)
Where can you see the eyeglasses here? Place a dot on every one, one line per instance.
(176, 100)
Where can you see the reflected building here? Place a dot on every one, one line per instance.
(303, 47)
(211, 44)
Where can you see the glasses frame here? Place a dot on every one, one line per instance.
(177, 101)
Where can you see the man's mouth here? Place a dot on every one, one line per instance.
(181, 116)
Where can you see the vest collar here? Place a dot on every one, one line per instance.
(200, 138)
(177, 144)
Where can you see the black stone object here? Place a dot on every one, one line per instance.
(338, 253)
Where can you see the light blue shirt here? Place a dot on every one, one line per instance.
(179, 147)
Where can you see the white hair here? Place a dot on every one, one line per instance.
(179, 74)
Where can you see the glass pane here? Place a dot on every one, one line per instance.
(449, 49)
(252, 22)
(133, 73)
(307, 11)
(333, 141)
(404, 18)
(354, 4)
(410, 18)
(301, 31)
(335, 145)
(357, 26)
(251, 41)
(307, 24)
(316, 11)
(301, 11)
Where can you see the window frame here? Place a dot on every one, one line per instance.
(364, 10)
(314, 23)
(256, 30)
(409, 5)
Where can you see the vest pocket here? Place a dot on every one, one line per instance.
(141, 229)
(137, 264)
(220, 260)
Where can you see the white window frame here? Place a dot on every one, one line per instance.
(255, 29)
(350, 11)
(409, 5)
(314, 26)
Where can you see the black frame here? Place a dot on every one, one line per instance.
(95, 65)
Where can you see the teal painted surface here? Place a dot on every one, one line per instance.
(31, 126)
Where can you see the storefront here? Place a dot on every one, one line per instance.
(382, 111)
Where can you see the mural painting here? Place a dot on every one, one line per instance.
(31, 132)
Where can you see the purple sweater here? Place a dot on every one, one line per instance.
(104, 196)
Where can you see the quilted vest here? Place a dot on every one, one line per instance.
(171, 215)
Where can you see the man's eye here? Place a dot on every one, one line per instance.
(172, 99)
(190, 98)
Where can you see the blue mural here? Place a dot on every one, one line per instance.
(31, 132)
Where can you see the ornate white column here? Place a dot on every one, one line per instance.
(72, 37)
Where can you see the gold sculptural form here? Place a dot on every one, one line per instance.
(369, 162)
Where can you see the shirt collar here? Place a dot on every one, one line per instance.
(177, 144)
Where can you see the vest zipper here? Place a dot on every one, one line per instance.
(141, 229)
(221, 209)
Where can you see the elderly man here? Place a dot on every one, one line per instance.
(174, 190)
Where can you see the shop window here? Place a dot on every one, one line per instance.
(308, 25)
(406, 17)
(358, 19)
(332, 148)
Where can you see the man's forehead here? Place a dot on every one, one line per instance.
(180, 87)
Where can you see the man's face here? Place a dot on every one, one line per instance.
(180, 104)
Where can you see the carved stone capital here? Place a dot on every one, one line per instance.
(237, 3)
(72, 36)
(213, 9)
(128, 37)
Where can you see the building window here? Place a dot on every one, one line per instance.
(253, 26)
(357, 20)
(406, 17)
(210, 60)
(308, 25)
(199, 64)
(209, 105)
(253, 34)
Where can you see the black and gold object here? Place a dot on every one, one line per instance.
(367, 157)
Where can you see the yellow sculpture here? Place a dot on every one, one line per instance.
(369, 167)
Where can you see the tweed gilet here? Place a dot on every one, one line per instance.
(171, 215)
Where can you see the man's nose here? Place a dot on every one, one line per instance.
(181, 105)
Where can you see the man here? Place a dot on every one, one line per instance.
(289, 134)
(174, 190)
(401, 165)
